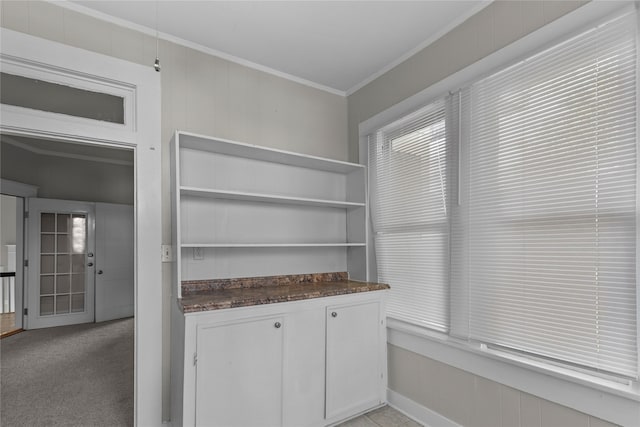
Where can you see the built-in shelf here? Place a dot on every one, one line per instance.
(253, 206)
(265, 198)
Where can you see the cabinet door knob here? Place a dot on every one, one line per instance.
(334, 314)
(277, 324)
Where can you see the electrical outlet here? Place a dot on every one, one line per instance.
(198, 254)
(166, 253)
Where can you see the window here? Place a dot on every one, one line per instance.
(537, 252)
(410, 180)
(57, 98)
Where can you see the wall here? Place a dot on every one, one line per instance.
(203, 94)
(464, 398)
(68, 178)
(473, 401)
(7, 226)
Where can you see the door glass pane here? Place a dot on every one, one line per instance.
(46, 306)
(57, 98)
(79, 234)
(77, 283)
(47, 222)
(63, 263)
(63, 243)
(63, 283)
(77, 303)
(46, 264)
(77, 263)
(46, 285)
(47, 243)
(62, 304)
(63, 223)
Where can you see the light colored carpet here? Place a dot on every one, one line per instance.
(80, 375)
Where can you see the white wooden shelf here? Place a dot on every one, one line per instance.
(266, 198)
(271, 245)
(256, 152)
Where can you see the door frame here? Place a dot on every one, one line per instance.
(24, 54)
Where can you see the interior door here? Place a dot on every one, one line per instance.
(114, 261)
(60, 278)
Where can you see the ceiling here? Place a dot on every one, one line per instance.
(336, 45)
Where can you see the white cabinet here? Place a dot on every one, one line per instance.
(352, 369)
(285, 364)
(234, 387)
(241, 210)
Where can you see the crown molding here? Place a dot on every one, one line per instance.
(192, 45)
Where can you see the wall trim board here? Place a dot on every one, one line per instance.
(620, 406)
(195, 46)
(417, 412)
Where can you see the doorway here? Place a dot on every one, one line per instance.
(139, 88)
(8, 229)
(83, 191)
(66, 242)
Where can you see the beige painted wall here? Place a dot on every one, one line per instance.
(458, 395)
(7, 226)
(473, 401)
(203, 94)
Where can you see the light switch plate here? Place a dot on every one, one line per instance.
(166, 253)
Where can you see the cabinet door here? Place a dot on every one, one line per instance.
(353, 376)
(239, 373)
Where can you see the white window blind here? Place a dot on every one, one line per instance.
(409, 175)
(550, 217)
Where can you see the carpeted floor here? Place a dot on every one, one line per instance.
(80, 375)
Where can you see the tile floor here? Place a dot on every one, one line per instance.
(381, 417)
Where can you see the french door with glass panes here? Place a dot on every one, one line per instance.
(60, 272)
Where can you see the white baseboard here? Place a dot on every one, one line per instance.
(417, 412)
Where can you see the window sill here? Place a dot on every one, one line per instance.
(617, 402)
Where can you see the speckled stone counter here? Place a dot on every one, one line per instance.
(206, 295)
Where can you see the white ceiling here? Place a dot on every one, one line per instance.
(335, 45)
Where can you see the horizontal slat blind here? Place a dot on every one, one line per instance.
(551, 209)
(409, 178)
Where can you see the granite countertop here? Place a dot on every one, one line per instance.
(228, 293)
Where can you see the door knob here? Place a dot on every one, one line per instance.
(334, 314)
(90, 264)
(277, 325)
(99, 271)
